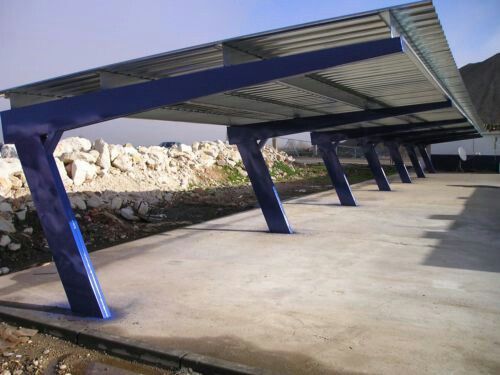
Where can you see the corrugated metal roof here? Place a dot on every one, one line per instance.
(426, 72)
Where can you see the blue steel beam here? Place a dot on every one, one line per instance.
(264, 188)
(271, 129)
(94, 107)
(380, 131)
(339, 180)
(60, 226)
(429, 166)
(428, 133)
(430, 138)
(398, 162)
(448, 138)
(410, 149)
(375, 166)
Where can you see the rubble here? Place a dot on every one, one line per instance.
(117, 185)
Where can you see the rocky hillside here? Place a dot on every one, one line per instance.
(483, 83)
(115, 183)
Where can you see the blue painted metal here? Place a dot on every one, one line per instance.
(262, 143)
(398, 162)
(429, 133)
(94, 107)
(429, 166)
(60, 226)
(437, 139)
(264, 188)
(271, 129)
(375, 166)
(410, 149)
(336, 173)
(381, 131)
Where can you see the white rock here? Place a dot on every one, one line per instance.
(6, 225)
(16, 182)
(95, 154)
(130, 150)
(78, 202)
(72, 144)
(69, 157)
(9, 167)
(211, 152)
(115, 151)
(128, 213)
(5, 207)
(143, 208)
(116, 203)
(81, 171)
(9, 151)
(4, 271)
(185, 148)
(63, 173)
(207, 160)
(104, 159)
(28, 230)
(95, 202)
(14, 246)
(5, 240)
(5, 186)
(123, 163)
(21, 214)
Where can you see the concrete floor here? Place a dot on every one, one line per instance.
(408, 282)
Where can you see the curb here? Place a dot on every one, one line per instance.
(128, 349)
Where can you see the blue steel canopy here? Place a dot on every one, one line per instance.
(424, 72)
(380, 76)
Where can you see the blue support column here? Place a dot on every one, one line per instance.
(60, 226)
(264, 188)
(376, 167)
(336, 173)
(398, 162)
(414, 161)
(429, 166)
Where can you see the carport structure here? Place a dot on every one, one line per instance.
(381, 76)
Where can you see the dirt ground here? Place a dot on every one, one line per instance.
(102, 228)
(35, 353)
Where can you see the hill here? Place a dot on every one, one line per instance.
(483, 83)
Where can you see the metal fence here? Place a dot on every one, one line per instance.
(298, 147)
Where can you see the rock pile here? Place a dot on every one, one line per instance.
(126, 179)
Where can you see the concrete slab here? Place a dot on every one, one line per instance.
(408, 282)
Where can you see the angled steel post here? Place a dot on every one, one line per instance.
(264, 188)
(375, 166)
(328, 150)
(398, 162)
(60, 226)
(336, 173)
(414, 161)
(429, 166)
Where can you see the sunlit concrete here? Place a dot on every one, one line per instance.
(408, 282)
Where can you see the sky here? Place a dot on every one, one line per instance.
(41, 39)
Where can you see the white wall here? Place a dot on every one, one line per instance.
(489, 145)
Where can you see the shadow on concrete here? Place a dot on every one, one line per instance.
(472, 241)
(234, 349)
(34, 307)
(477, 186)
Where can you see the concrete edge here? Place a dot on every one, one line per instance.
(125, 348)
